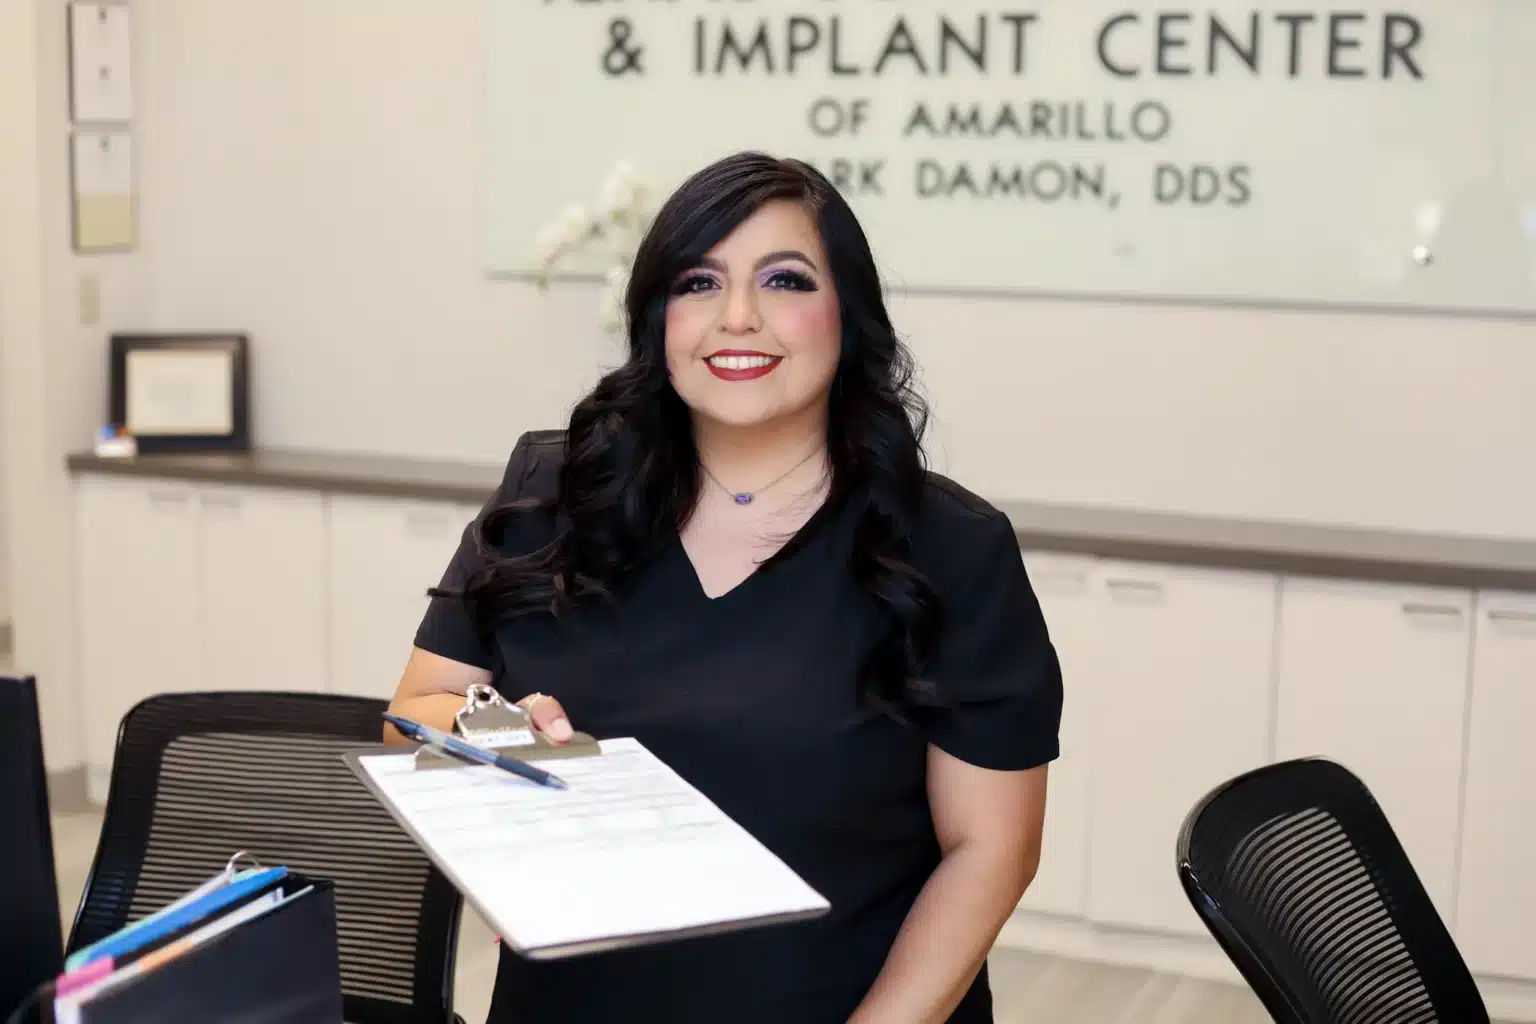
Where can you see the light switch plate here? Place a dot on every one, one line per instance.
(90, 300)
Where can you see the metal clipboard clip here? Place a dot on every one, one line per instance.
(491, 723)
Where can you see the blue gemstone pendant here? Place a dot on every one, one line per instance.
(742, 499)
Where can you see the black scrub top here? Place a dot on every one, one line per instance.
(751, 697)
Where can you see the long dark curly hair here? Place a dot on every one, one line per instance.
(630, 478)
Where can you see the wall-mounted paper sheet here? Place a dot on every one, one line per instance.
(105, 213)
(101, 62)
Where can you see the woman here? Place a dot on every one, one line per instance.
(734, 554)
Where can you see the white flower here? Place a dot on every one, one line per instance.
(611, 302)
(617, 279)
(560, 236)
(548, 244)
(620, 193)
(577, 223)
(617, 223)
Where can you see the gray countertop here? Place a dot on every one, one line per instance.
(379, 475)
(1267, 546)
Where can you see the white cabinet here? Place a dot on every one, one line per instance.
(1176, 679)
(1375, 677)
(384, 554)
(1064, 586)
(1496, 906)
(194, 587)
(1182, 703)
(262, 587)
(138, 601)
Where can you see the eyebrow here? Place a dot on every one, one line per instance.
(710, 263)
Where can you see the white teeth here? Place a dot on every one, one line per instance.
(741, 362)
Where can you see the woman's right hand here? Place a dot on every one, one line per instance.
(432, 689)
(548, 717)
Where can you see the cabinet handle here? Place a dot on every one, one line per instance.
(168, 498)
(1426, 609)
(1511, 615)
(1146, 590)
(426, 522)
(1069, 581)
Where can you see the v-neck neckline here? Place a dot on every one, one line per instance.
(799, 540)
(692, 569)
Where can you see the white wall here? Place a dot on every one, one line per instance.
(5, 543)
(309, 174)
(50, 366)
(22, 406)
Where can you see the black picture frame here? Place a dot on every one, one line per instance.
(237, 439)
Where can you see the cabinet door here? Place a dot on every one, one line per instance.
(1063, 583)
(1183, 704)
(1496, 906)
(262, 570)
(138, 600)
(384, 554)
(1375, 677)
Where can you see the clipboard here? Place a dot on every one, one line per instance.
(805, 904)
(490, 722)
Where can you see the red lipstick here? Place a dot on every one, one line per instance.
(742, 364)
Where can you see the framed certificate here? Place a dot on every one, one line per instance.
(181, 392)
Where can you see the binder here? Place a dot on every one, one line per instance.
(247, 947)
(281, 967)
(225, 892)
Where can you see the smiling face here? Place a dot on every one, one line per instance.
(753, 332)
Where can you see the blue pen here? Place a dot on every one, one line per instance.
(443, 743)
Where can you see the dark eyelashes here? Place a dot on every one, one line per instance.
(691, 283)
(789, 280)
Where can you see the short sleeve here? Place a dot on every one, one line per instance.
(447, 629)
(996, 672)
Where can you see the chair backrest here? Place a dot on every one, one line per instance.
(1298, 875)
(200, 776)
(31, 945)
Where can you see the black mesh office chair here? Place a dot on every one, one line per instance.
(200, 776)
(1297, 873)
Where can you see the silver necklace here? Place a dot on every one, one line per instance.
(745, 497)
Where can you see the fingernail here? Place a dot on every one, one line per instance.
(560, 730)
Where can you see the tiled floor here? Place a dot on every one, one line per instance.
(1028, 988)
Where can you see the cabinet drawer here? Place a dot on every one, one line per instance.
(1181, 703)
(1064, 586)
(1496, 906)
(262, 588)
(383, 557)
(1375, 677)
(139, 620)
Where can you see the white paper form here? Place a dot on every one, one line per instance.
(629, 854)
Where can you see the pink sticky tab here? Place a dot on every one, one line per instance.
(93, 971)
